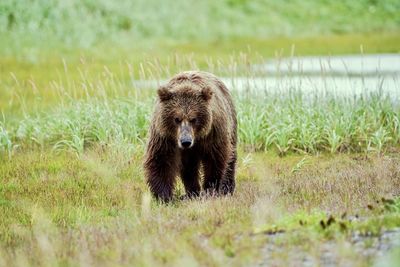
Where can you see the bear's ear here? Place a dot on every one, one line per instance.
(164, 94)
(206, 93)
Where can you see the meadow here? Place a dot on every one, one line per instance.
(73, 191)
(105, 108)
(318, 179)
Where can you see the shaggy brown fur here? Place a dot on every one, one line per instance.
(194, 124)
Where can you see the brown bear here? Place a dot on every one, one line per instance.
(194, 124)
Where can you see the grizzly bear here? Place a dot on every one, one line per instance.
(193, 126)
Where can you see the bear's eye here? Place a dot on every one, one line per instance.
(193, 121)
(177, 120)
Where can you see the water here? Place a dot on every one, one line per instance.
(340, 75)
(353, 65)
(345, 86)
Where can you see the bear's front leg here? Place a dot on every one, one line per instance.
(161, 184)
(160, 169)
(190, 173)
(227, 184)
(215, 165)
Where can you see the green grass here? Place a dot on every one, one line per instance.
(109, 108)
(60, 209)
(314, 173)
(72, 190)
(267, 124)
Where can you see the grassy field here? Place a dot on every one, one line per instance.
(318, 178)
(69, 114)
(313, 172)
(96, 209)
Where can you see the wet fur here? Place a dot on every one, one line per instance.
(214, 150)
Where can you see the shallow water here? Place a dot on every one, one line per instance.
(335, 85)
(341, 76)
(360, 65)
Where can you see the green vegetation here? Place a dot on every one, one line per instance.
(318, 174)
(72, 189)
(106, 108)
(127, 28)
(86, 22)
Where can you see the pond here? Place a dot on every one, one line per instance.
(340, 75)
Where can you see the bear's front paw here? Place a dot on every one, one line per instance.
(164, 197)
(226, 188)
(189, 196)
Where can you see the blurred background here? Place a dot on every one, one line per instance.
(39, 30)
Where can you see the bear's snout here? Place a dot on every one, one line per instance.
(185, 136)
(186, 142)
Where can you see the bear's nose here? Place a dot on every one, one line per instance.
(186, 142)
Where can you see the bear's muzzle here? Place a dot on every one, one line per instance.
(186, 139)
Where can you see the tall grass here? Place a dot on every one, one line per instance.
(105, 107)
(85, 123)
(267, 122)
(325, 123)
(5, 142)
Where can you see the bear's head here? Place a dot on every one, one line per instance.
(185, 113)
